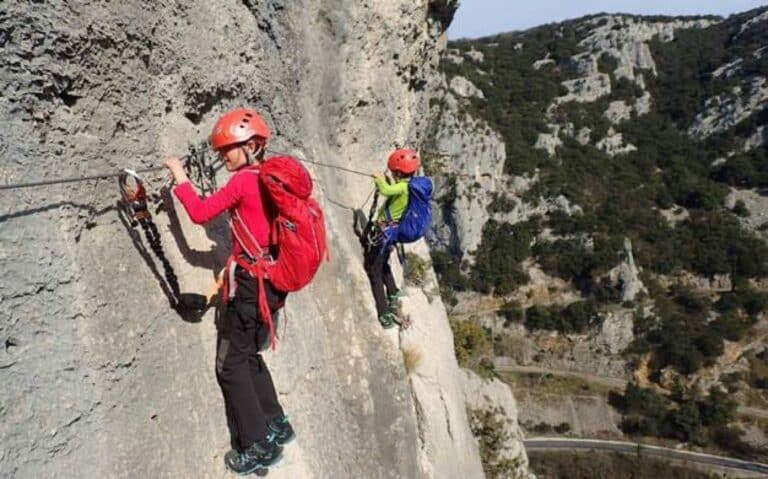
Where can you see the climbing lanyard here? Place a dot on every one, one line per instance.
(133, 203)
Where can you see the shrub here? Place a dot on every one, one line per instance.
(417, 269)
(489, 426)
(740, 209)
(473, 346)
(497, 260)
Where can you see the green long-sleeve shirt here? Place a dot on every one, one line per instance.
(397, 197)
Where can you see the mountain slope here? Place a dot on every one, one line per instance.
(597, 174)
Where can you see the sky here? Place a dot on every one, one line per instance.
(478, 18)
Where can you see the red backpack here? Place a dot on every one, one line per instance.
(298, 233)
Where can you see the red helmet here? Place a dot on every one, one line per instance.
(238, 126)
(404, 161)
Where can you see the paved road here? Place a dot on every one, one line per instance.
(759, 469)
(507, 365)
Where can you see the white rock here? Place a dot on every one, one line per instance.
(475, 155)
(757, 139)
(729, 69)
(483, 394)
(752, 22)
(726, 110)
(465, 88)
(454, 57)
(583, 135)
(475, 55)
(586, 89)
(549, 141)
(544, 61)
(616, 332)
(629, 276)
(613, 144)
(643, 104)
(617, 112)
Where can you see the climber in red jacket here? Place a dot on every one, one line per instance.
(257, 424)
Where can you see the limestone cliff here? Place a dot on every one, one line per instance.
(100, 377)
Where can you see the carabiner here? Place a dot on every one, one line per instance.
(134, 199)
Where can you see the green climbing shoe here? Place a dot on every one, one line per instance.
(387, 320)
(394, 299)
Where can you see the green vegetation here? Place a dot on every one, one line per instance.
(417, 269)
(607, 465)
(489, 426)
(519, 94)
(473, 347)
(575, 318)
(544, 428)
(620, 197)
(686, 81)
(497, 260)
(683, 416)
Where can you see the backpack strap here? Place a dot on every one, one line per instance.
(244, 237)
(257, 269)
(257, 266)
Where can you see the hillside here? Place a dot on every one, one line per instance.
(604, 208)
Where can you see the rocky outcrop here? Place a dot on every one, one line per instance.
(756, 203)
(757, 139)
(465, 88)
(472, 161)
(729, 69)
(494, 395)
(618, 111)
(549, 141)
(100, 377)
(753, 22)
(627, 275)
(616, 331)
(438, 385)
(724, 111)
(719, 283)
(626, 40)
(613, 144)
(586, 89)
(475, 55)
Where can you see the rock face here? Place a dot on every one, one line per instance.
(616, 331)
(757, 139)
(472, 158)
(727, 110)
(101, 378)
(628, 275)
(613, 144)
(495, 395)
(624, 40)
(464, 88)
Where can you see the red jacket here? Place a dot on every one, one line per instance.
(243, 194)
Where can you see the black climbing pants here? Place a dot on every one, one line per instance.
(250, 399)
(380, 276)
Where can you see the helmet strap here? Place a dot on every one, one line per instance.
(256, 156)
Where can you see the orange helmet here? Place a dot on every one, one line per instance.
(239, 126)
(404, 161)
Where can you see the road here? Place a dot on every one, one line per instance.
(533, 444)
(507, 365)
